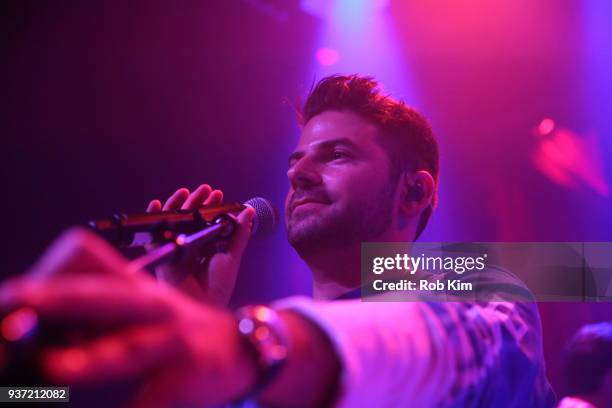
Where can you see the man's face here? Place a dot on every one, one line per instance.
(340, 192)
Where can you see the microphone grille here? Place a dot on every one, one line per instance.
(266, 216)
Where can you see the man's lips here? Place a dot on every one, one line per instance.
(302, 201)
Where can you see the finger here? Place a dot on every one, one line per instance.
(79, 251)
(154, 206)
(196, 198)
(177, 199)
(125, 355)
(215, 198)
(85, 303)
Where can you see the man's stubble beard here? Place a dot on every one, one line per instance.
(360, 221)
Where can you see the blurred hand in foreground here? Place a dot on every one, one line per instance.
(184, 352)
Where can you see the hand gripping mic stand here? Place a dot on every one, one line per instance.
(182, 232)
(182, 245)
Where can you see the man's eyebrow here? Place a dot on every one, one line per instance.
(342, 141)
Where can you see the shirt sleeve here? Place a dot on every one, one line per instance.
(433, 354)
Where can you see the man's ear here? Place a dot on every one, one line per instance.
(417, 192)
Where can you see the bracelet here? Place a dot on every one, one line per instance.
(267, 336)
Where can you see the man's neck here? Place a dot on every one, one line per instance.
(335, 273)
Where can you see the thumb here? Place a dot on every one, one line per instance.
(243, 231)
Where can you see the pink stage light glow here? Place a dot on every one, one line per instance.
(569, 159)
(546, 126)
(327, 56)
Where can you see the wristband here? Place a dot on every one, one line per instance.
(267, 336)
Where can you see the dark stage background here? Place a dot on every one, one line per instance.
(110, 104)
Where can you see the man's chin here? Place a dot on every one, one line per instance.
(312, 236)
(304, 238)
(306, 223)
(299, 233)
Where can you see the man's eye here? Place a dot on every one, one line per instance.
(339, 155)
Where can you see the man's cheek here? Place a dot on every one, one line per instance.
(361, 186)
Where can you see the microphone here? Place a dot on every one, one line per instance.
(123, 230)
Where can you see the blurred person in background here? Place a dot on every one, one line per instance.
(586, 368)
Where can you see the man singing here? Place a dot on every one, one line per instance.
(365, 169)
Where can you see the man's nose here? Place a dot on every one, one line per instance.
(304, 173)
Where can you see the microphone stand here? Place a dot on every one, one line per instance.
(182, 244)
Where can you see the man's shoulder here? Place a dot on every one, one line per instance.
(493, 283)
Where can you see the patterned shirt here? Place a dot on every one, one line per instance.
(437, 354)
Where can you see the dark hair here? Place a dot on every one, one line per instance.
(407, 136)
(587, 359)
